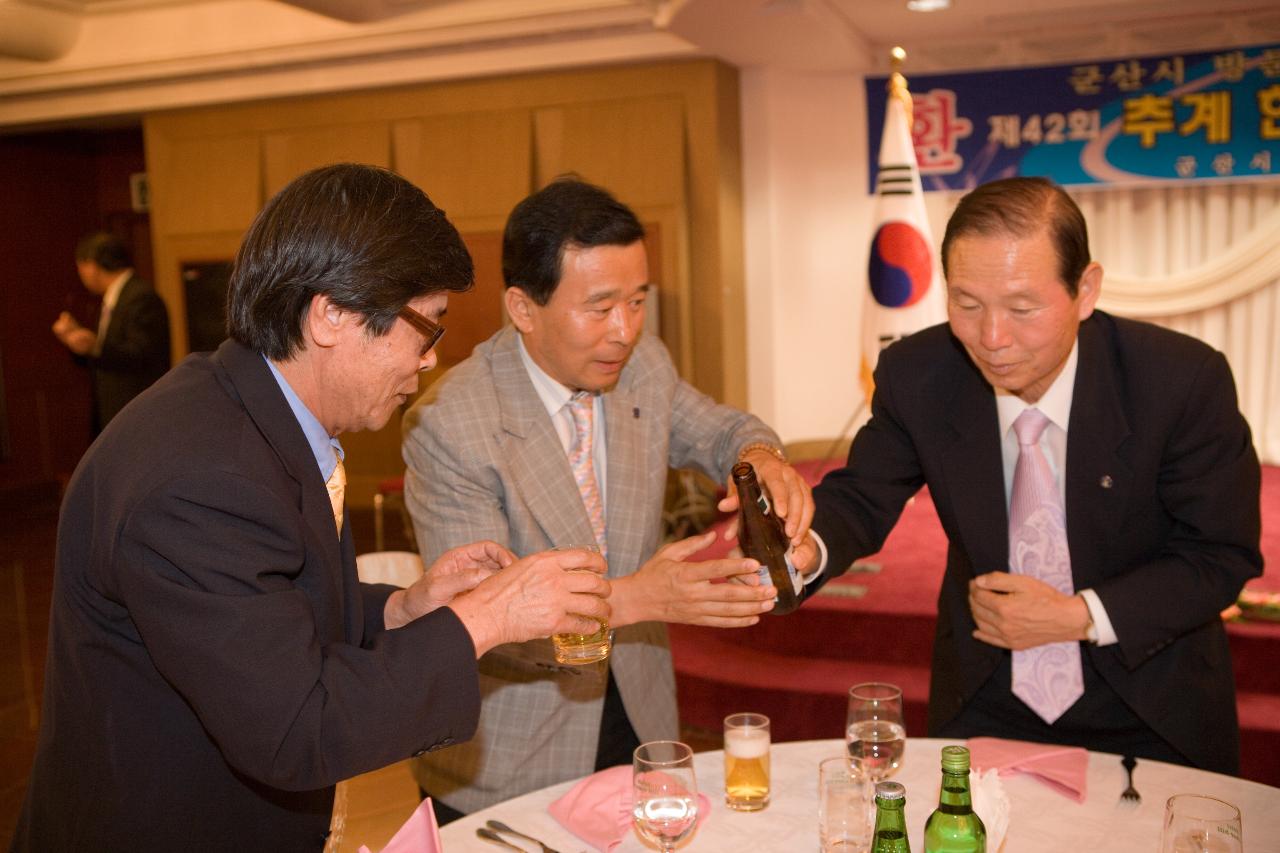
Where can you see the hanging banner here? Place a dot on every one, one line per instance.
(1173, 117)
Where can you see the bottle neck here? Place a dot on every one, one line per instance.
(889, 815)
(747, 486)
(955, 791)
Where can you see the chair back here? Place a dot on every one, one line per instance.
(398, 568)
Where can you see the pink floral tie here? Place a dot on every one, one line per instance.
(582, 408)
(1048, 678)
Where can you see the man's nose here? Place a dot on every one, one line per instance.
(993, 330)
(625, 323)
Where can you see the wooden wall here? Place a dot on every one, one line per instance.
(663, 137)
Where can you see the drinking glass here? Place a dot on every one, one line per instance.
(1199, 824)
(580, 649)
(666, 795)
(746, 762)
(875, 734)
(845, 806)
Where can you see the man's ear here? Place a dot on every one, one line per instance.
(1089, 290)
(520, 308)
(324, 322)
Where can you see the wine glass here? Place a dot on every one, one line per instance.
(666, 795)
(1198, 824)
(875, 734)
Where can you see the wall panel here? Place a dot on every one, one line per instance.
(288, 153)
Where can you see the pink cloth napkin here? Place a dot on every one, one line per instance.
(418, 835)
(1063, 768)
(598, 809)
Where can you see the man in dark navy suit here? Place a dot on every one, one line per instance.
(130, 348)
(1148, 504)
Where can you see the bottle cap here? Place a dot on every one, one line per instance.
(955, 759)
(890, 791)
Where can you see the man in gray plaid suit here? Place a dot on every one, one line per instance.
(489, 458)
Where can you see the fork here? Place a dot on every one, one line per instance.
(1130, 794)
(494, 838)
(502, 827)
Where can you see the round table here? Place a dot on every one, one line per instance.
(1042, 820)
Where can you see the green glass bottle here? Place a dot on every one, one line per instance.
(953, 827)
(891, 821)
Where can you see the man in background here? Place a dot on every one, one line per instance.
(560, 430)
(214, 665)
(1097, 484)
(130, 348)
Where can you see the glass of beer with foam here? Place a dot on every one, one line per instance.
(746, 762)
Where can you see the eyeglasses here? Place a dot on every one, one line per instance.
(431, 331)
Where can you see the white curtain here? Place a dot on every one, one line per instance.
(1203, 259)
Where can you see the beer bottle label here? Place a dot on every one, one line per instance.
(797, 582)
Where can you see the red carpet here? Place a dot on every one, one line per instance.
(878, 625)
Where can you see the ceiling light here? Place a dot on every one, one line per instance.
(928, 5)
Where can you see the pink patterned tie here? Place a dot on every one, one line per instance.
(1048, 678)
(583, 409)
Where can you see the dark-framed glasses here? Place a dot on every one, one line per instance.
(431, 331)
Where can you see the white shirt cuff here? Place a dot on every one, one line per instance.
(1098, 613)
(816, 573)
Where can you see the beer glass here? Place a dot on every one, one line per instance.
(1198, 824)
(845, 805)
(746, 762)
(579, 649)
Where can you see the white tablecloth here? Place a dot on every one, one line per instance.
(1043, 821)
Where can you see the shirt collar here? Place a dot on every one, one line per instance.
(1055, 403)
(323, 446)
(553, 394)
(112, 294)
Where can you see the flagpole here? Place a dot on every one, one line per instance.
(896, 206)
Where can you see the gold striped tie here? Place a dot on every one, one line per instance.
(337, 486)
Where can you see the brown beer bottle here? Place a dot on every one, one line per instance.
(762, 538)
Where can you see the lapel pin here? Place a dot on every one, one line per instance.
(1105, 481)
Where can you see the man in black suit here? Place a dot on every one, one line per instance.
(130, 349)
(1145, 449)
(214, 665)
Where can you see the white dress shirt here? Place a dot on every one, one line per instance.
(1055, 404)
(556, 396)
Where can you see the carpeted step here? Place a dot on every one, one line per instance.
(804, 697)
(840, 629)
(1259, 736)
(1254, 650)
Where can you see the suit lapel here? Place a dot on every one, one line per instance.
(539, 465)
(1099, 479)
(627, 438)
(266, 406)
(974, 469)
